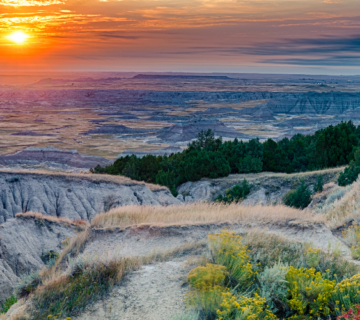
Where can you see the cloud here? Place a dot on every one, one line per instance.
(117, 36)
(307, 46)
(291, 47)
(342, 61)
(325, 51)
(29, 3)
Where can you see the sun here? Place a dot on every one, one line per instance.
(18, 37)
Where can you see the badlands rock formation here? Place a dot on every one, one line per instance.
(70, 158)
(188, 130)
(330, 103)
(74, 196)
(22, 243)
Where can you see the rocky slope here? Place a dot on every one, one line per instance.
(266, 188)
(153, 292)
(22, 243)
(73, 196)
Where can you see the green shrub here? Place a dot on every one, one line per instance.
(7, 304)
(235, 194)
(49, 257)
(319, 185)
(13, 179)
(349, 175)
(299, 198)
(273, 286)
(27, 284)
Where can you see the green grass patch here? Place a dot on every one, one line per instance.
(7, 304)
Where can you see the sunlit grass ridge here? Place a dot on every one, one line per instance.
(198, 213)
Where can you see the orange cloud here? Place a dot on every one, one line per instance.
(29, 3)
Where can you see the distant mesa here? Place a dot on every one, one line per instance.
(162, 152)
(72, 158)
(63, 81)
(185, 77)
(115, 129)
(188, 130)
(32, 133)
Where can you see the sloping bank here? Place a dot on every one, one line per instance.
(73, 196)
(174, 234)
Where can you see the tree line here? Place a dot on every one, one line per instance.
(210, 157)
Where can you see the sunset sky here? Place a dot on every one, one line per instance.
(276, 36)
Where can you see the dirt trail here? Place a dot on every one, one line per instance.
(155, 292)
(148, 239)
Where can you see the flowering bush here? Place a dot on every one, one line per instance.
(272, 281)
(244, 308)
(346, 293)
(207, 283)
(350, 315)
(229, 251)
(309, 291)
(208, 301)
(205, 278)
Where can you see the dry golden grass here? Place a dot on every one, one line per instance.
(199, 213)
(92, 177)
(345, 209)
(300, 175)
(59, 220)
(76, 245)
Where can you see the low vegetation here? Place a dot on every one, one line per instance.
(235, 194)
(85, 282)
(342, 206)
(299, 198)
(265, 277)
(351, 173)
(7, 304)
(198, 213)
(351, 236)
(213, 158)
(319, 185)
(37, 216)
